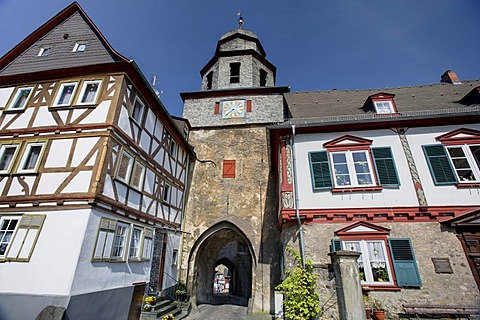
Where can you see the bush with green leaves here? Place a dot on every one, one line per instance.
(299, 286)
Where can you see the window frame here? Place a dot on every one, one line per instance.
(142, 110)
(80, 47)
(17, 95)
(82, 92)
(120, 249)
(366, 260)
(138, 248)
(44, 51)
(469, 157)
(69, 103)
(147, 244)
(128, 172)
(382, 102)
(24, 238)
(26, 154)
(16, 218)
(133, 164)
(234, 69)
(351, 170)
(10, 166)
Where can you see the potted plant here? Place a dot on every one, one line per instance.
(149, 303)
(378, 310)
(382, 274)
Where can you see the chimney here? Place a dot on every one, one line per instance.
(450, 77)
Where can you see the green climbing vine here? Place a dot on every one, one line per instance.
(299, 286)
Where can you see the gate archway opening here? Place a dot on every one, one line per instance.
(223, 244)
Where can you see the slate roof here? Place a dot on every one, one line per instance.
(317, 104)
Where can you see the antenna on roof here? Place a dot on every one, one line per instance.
(154, 83)
(240, 19)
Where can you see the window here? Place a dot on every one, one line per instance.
(209, 80)
(137, 110)
(7, 228)
(135, 241)
(383, 107)
(173, 148)
(166, 193)
(20, 100)
(174, 257)
(7, 154)
(18, 236)
(89, 93)
(120, 240)
(466, 162)
(79, 47)
(353, 169)
(112, 240)
(228, 169)
(137, 175)
(263, 78)
(147, 245)
(235, 72)
(372, 264)
(65, 94)
(130, 171)
(383, 260)
(31, 157)
(44, 51)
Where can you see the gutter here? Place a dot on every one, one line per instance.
(297, 209)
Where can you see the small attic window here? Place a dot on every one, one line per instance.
(383, 107)
(79, 47)
(44, 51)
(235, 72)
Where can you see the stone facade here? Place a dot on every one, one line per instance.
(244, 201)
(429, 239)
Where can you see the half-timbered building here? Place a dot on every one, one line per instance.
(395, 175)
(92, 177)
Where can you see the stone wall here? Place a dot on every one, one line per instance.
(247, 201)
(265, 109)
(429, 240)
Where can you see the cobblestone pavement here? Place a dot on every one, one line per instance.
(224, 306)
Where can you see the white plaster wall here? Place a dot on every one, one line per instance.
(5, 94)
(171, 267)
(388, 197)
(439, 195)
(51, 268)
(94, 276)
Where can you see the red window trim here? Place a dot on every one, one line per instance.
(449, 139)
(217, 108)
(380, 97)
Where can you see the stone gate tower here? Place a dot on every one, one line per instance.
(231, 216)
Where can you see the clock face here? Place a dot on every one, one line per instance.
(233, 109)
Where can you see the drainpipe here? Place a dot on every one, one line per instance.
(295, 191)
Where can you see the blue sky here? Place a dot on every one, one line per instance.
(315, 45)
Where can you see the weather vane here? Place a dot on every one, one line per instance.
(240, 19)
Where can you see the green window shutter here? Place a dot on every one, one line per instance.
(404, 263)
(439, 164)
(335, 245)
(320, 170)
(385, 166)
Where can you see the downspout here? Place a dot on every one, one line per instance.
(295, 191)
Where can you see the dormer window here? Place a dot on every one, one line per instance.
(380, 103)
(383, 107)
(235, 72)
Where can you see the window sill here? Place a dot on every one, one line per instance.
(13, 110)
(83, 106)
(357, 189)
(379, 287)
(468, 185)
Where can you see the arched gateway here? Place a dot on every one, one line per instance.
(223, 243)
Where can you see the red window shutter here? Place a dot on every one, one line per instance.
(249, 105)
(228, 168)
(217, 108)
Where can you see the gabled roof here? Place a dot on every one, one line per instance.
(60, 33)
